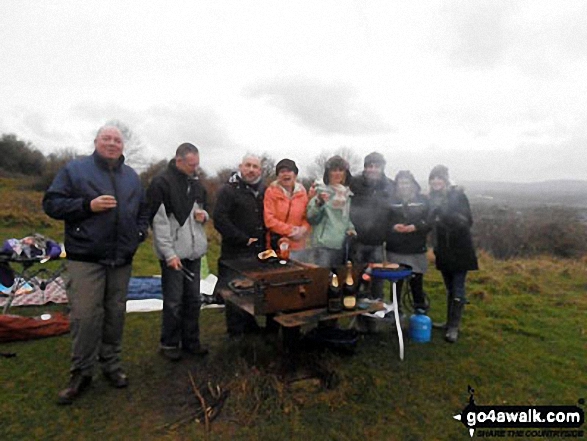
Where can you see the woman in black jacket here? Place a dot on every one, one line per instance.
(407, 231)
(451, 221)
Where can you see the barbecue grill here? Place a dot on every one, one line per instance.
(280, 286)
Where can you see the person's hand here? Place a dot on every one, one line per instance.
(200, 216)
(174, 263)
(403, 228)
(294, 232)
(312, 190)
(251, 241)
(399, 228)
(297, 233)
(102, 203)
(351, 233)
(323, 197)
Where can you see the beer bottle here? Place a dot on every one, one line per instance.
(334, 295)
(349, 296)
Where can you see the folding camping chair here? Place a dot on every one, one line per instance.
(27, 274)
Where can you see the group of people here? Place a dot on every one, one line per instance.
(107, 214)
(387, 220)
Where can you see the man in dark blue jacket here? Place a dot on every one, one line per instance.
(106, 217)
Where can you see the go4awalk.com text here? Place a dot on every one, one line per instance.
(522, 421)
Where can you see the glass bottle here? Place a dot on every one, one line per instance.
(349, 296)
(334, 295)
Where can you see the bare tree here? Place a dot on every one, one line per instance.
(134, 148)
(268, 167)
(151, 171)
(316, 170)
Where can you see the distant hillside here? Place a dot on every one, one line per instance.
(570, 193)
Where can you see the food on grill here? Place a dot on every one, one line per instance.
(243, 283)
(384, 265)
(266, 255)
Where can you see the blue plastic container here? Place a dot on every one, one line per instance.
(420, 327)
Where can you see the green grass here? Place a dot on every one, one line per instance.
(523, 342)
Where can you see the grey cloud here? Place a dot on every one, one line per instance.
(30, 125)
(162, 128)
(485, 34)
(529, 162)
(168, 126)
(99, 113)
(573, 32)
(549, 161)
(554, 45)
(324, 108)
(480, 32)
(39, 126)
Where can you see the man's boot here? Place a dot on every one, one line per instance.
(454, 320)
(77, 384)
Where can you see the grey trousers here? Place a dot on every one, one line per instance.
(97, 298)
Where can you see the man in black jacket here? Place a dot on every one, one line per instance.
(106, 216)
(238, 217)
(372, 192)
(178, 209)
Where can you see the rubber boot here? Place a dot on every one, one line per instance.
(454, 320)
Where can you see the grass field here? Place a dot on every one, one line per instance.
(524, 342)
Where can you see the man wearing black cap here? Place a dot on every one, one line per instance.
(372, 192)
(178, 211)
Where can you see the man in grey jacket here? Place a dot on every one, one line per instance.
(177, 201)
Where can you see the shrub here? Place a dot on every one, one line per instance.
(54, 162)
(19, 157)
(505, 232)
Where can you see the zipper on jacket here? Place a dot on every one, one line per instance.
(114, 252)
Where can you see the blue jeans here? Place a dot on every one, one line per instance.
(455, 285)
(181, 306)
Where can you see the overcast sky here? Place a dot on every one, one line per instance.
(495, 90)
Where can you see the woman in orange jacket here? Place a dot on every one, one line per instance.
(285, 209)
